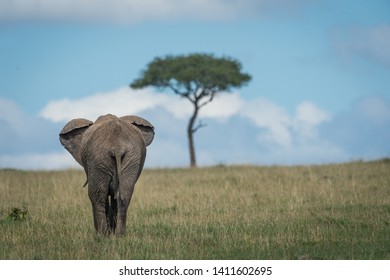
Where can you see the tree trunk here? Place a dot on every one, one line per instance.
(190, 134)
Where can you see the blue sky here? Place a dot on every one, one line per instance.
(320, 90)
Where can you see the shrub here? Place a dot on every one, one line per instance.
(18, 214)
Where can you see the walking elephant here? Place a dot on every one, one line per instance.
(112, 152)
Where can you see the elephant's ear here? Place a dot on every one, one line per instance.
(146, 127)
(71, 136)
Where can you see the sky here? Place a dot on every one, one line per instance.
(320, 88)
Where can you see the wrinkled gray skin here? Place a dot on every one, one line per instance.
(112, 151)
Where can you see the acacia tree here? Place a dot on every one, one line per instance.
(196, 77)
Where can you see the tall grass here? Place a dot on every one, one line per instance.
(228, 212)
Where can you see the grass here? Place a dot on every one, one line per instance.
(227, 212)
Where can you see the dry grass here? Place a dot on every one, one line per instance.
(237, 212)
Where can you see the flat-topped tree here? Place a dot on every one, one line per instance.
(196, 77)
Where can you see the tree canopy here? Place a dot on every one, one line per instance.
(197, 77)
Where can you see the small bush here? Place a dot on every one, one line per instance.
(18, 214)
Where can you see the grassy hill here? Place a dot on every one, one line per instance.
(339, 211)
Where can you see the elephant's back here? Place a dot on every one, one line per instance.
(111, 138)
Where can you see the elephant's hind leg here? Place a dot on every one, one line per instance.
(98, 194)
(123, 204)
(112, 211)
(100, 219)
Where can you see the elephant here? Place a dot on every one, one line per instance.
(112, 152)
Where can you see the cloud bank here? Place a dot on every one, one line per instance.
(29, 142)
(132, 11)
(277, 123)
(126, 11)
(238, 131)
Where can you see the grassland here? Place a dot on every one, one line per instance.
(227, 212)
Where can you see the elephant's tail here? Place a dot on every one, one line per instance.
(117, 180)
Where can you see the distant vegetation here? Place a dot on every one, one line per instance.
(227, 212)
(196, 77)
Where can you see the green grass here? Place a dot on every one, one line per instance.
(226, 212)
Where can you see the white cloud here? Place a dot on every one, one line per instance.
(278, 126)
(315, 152)
(122, 101)
(224, 106)
(307, 117)
(311, 114)
(240, 131)
(130, 11)
(364, 131)
(126, 101)
(11, 115)
(28, 142)
(270, 116)
(39, 161)
(369, 42)
(123, 10)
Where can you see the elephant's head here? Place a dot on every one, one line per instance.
(72, 134)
